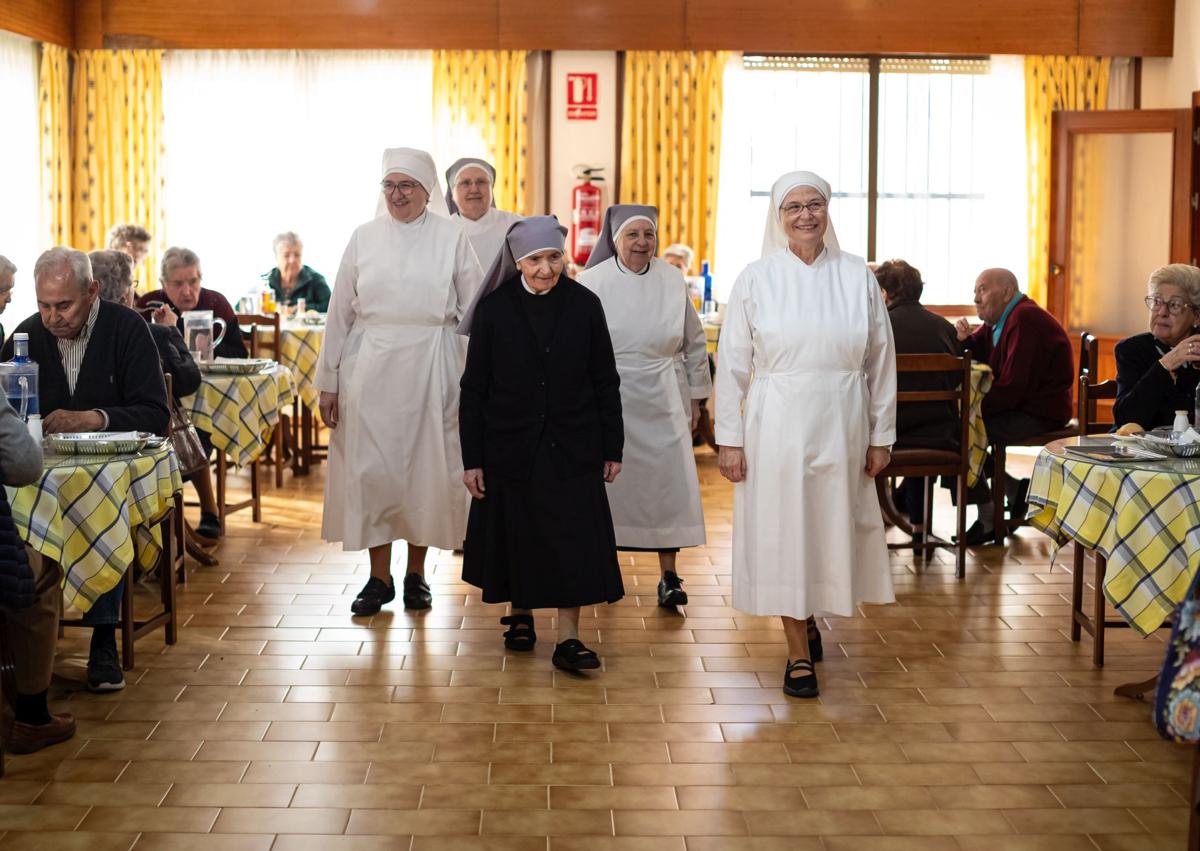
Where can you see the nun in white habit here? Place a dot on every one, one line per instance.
(663, 361)
(388, 375)
(469, 198)
(805, 417)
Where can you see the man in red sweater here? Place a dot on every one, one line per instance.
(1032, 374)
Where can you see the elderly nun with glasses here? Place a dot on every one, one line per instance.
(806, 417)
(662, 357)
(541, 434)
(388, 376)
(469, 186)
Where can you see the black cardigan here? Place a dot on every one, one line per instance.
(120, 373)
(918, 331)
(1146, 393)
(515, 393)
(176, 360)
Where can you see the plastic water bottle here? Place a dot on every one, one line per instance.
(20, 379)
(1180, 425)
(708, 307)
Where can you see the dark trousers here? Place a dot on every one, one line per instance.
(1006, 427)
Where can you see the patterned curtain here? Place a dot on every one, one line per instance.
(1055, 82)
(117, 120)
(480, 98)
(671, 141)
(54, 118)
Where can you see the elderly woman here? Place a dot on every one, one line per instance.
(1157, 371)
(388, 376)
(663, 362)
(291, 279)
(680, 256)
(806, 409)
(541, 433)
(130, 239)
(469, 184)
(182, 291)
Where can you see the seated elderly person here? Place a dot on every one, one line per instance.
(8, 271)
(680, 256)
(1157, 371)
(181, 291)
(1032, 376)
(917, 331)
(291, 279)
(133, 240)
(98, 371)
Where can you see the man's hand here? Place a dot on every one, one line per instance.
(473, 479)
(64, 421)
(611, 470)
(963, 329)
(732, 462)
(328, 406)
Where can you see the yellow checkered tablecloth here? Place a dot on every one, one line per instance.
(94, 515)
(299, 349)
(1143, 518)
(981, 383)
(239, 411)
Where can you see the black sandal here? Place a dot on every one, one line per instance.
(816, 652)
(572, 655)
(804, 683)
(520, 634)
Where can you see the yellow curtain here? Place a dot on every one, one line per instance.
(1053, 82)
(117, 121)
(480, 103)
(54, 118)
(671, 141)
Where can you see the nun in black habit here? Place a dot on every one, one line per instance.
(541, 433)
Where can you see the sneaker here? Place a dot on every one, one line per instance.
(104, 668)
(372, 596)
(670, 590)
(416, 592)
(30, 738)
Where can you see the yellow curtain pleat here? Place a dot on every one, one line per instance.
(671, 141)
(117, 148)
(480, 98)
(1054, 82)
(54, 143)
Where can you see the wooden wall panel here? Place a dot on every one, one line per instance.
(885, 26)
(604, 25)
(44, 20)
(1109, 27)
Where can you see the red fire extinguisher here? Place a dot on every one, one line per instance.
(585, 213)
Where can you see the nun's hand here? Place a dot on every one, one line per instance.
(328, 406)
(695, 414)
(732, 462)
(878, 458)
(473, 479)
(612, 469)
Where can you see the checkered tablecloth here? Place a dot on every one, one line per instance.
(1144, 520)
(94, 516)
(981, 383)
(239, 411)
(299, 349)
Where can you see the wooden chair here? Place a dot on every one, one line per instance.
(931, 463)
(262, 332)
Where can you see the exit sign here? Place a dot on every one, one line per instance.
(581, 97)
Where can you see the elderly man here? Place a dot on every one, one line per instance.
(99, 371)
(182, 291)
(1032, 375)
(8, 270)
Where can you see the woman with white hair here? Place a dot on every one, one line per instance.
(388, 376)
(663, 362)
(806, 411)
(469, 198)
(291, 279)
(680, 256)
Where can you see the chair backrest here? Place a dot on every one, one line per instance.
(960, 393)
(1089, 394)
(1089, 354)
(262, 332)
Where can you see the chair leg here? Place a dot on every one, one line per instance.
(960, 547)
(221, 474)
(998, 516)
(1077, 565)
(179, 530)
(166, 574)
(277, 439)
(256, 491)
(126, 624)
(1098, 613)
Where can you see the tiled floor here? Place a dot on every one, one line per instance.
(961, 719)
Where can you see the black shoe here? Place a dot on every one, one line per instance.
(416, 592)
(572, 655)
(520, 635)
(670, 590)
(977, 535)
(372, 596)
(816, 651)
(103, 667)
(800, 679)
(1019, 504)
(209, 526)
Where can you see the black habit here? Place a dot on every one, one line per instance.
(1147, 394)
(120, 374)
(540, 414)
(917, 331)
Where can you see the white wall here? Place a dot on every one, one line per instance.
(1168, 83)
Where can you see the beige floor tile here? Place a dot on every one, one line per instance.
(230, 795)
(1073, 821)
(281, 820)
(152, 819)
(53, 840)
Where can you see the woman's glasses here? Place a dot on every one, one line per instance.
(404, 187)
(1174, 306)
(814, 207)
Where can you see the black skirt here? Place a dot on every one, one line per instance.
(543, 542)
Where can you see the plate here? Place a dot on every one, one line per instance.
(318, 319)
(101, 442)
(236, 366)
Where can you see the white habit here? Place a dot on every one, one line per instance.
(663, 362)
(393, 357)
(487, 232)
(806, 380)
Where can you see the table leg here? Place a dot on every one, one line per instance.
(1137, 691)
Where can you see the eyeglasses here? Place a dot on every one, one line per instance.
(404, 187)
(1174, 306)
(814, 207)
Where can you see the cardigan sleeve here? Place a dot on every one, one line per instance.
(1142, 384)
(476, 379)
(319, 292)
(606, 383)
(1022, 357)
(176, 360)
(339, 322)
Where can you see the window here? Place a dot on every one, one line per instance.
(949, 174)
(22, 233)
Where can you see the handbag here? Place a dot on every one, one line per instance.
(185, 441)
(1177, 697)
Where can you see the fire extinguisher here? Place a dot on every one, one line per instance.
(585, 213)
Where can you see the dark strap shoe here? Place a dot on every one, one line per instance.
(521, 635)
(670, 590)
(30, 738)
(572, 655)
(416, 592)
(800, 679)
(373, 596)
